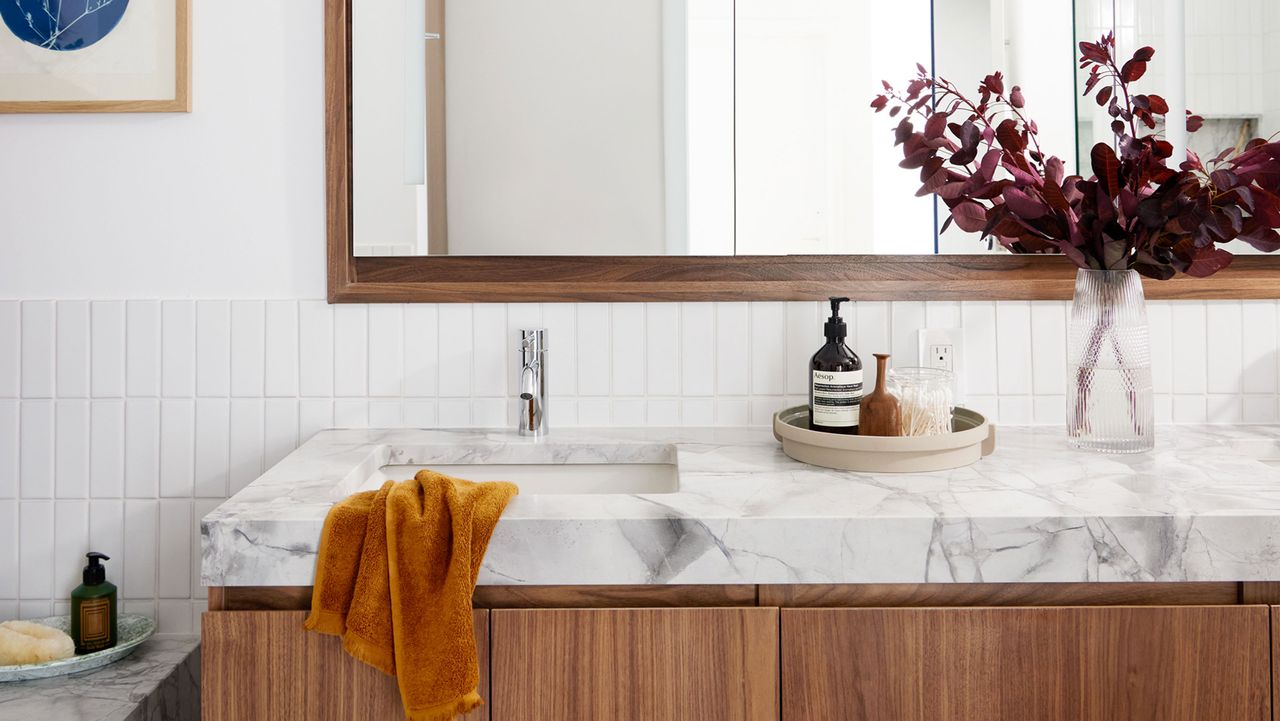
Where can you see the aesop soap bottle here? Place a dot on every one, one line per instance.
(835, 380)
(93, 608)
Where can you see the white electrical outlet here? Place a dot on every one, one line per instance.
(943, 348)
(942, 355)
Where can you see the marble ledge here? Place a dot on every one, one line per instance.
(160, 681)
(1203, 506)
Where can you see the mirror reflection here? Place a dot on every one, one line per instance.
(709, 127)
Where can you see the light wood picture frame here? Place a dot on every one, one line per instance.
(65, 82)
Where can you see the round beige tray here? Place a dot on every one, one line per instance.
(971, 438)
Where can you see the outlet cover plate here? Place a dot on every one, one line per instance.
(953, 337)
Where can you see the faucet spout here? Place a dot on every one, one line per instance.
(533, 382)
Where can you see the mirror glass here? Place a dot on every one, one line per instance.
(1222, 59)
(563, 127)
(674, 127)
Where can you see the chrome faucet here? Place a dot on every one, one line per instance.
(533, 382)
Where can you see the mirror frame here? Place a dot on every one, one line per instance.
(513, 279)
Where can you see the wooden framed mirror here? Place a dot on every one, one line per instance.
(757, 173)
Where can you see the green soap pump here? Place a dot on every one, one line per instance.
(93, 608)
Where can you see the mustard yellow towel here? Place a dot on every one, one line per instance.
(394, 579)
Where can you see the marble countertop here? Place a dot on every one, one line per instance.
(160, 681)
(1200, 507)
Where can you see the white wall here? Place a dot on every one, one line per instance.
(227, 201)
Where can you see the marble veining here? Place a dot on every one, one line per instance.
(1201, 507)
(158, 682)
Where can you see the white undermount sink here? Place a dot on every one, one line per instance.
(549, 478)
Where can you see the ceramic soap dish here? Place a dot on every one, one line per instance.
(131, 630)
(971, 438)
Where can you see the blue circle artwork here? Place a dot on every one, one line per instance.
(62, 24)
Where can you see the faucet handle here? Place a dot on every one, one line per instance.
(533, 340)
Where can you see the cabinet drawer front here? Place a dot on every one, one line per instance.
(710, 664)
(259, 665)
(1195, 663)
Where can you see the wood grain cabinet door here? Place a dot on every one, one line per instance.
(659, 664)
(260, 665)
(1193, 663)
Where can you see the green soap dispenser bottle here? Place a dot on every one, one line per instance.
(93, 608)
(835, 380)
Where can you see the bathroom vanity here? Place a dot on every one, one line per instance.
(702, 574)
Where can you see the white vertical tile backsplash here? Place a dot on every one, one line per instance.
(315, 348)
(560, 321)
(421, 360)
(1013, 350)
(454, 351)
(141, 538)
(802, 339)
(627, 356)
(697, 349)
(177, 348)
(9, 541)
(70, 448)
(1048, 361)
(213, 348)
(280, 365)
(662, 350)
(1223, 336)
(248, 348)
(386, 350)
(733, 356)
(36, 449)
(106, 449)
(142, 348)
(593, 346)
(177, 447)
(71, 542)
(767, 352)
(72, 375)
(108, 336)
(10, 348)
(351, 350)
(981, 349)
(141, 416)
(9, 423)
(38, 343)
(906, 321)
(35, 549)
(1189, 351)
(245, 442)
(491, 354)
(1259, 371)
(142, 447)
(868, 333)
(212, 443)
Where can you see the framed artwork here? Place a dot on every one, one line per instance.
(95, 56)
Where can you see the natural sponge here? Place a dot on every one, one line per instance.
(23, 642)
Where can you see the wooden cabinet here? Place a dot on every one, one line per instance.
(1191, 663)
(655, 664)
(259, 665)
(1135, 655)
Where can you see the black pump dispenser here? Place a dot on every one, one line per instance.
(835, 379)
(95, 573)
(835, 328)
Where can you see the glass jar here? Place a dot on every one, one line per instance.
(926, 399)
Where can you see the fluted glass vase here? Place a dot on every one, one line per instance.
(1110, 408)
